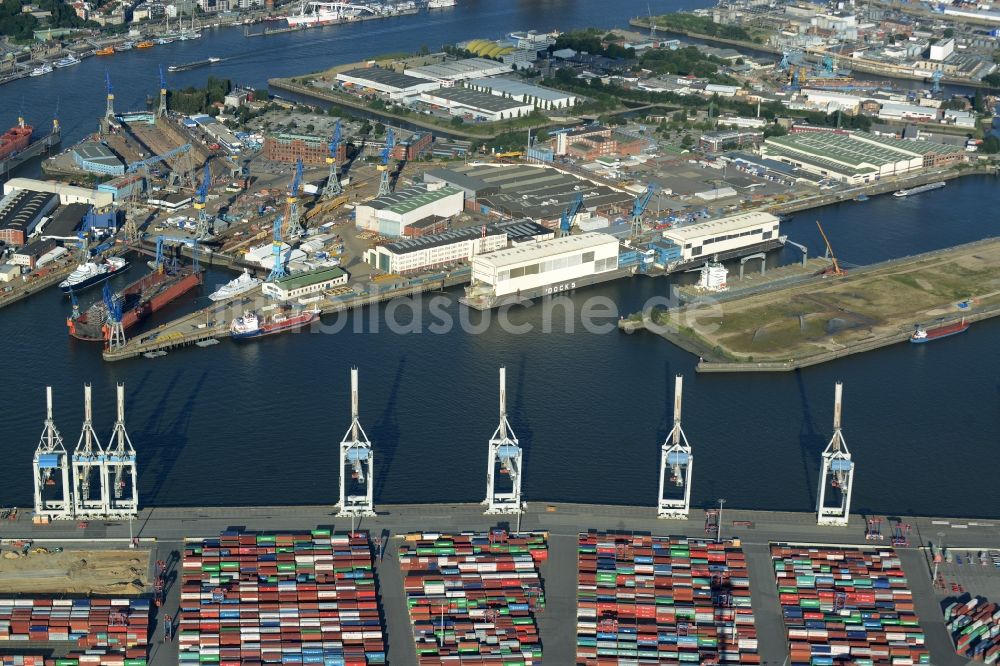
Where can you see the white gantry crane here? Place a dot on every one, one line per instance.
(120, 469)
(837, 472)
(506, 455)
(53, 497)
(356, 463)
(677, 459)
(88, 468)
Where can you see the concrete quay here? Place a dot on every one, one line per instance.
(164, 530)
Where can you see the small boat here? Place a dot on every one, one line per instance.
(124, 46)
(68, 61)
(206, 343)
(107, 50)
(861, 197)
(155, 354)
(165, 40)
(252, 326)
(41, 71)
(928, 334)
(145, 44)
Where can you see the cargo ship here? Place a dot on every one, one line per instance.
(192, 65)
(252, 326)
(918, 190)
(148, 294)
(15, 139)
(929, 334)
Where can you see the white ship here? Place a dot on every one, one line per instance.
(68, 61)
(438, 4)
(88, 274)
(245, 282)
(44, 69)
(321, 13)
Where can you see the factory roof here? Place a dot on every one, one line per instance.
(548, 248)
(19, 209)
(459, 69)
(385, 77)
(722, 225)
(306, 138)
(63, 190)
(93, 151)
(66, 220)
(512, 87)
(411, 198)
(515, 230)
(299, 280)
(476, 99)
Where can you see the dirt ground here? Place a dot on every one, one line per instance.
(74, 571)
(816, 317)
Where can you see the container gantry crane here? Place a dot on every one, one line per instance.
(51, 465)
(120, 468)
(569, 215)
(333, 187)
(383, 167)
(204, 224)
(292, 205)
(88, 466)
(676, 459)
(837, 472)
(505, 454)
(356, 463)
(639, 207)
(278, 269)
(162, 111)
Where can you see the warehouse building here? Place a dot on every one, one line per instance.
(303, 284)
(452, 246)
(724, 236)
(465, 102)
(97, 158)
(312, 150)
(122, 187)
(390, 215)
(545, 267)
(170, 200)
(858, 157)
(66, 222)
(397, 86)
(36, 254)
(67, 193)
(447, 73)
(541, 98)
(20, 213)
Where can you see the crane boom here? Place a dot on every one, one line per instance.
(836, 266)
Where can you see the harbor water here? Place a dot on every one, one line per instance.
(259, 422)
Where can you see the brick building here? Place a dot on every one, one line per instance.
(312, 150)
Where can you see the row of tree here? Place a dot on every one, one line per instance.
(200, 100)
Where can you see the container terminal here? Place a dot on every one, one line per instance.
(359, 582)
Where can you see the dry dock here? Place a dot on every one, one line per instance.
(165, 528)
(824, 318)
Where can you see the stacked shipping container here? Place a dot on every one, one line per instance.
(651, 600)
(105, 631)
(975, 627)
(472, 597)
(301, 598)
(847, 605)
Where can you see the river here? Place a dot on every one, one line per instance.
(260, 422)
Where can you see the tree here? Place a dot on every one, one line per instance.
(424, 50)
(687, 141)
(457, 120)
(949, 33)
(990, 145)
(774, 129)
(379, 129)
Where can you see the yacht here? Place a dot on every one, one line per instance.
(44, 69)
(245, 282)
(68, 61)
(88, 274)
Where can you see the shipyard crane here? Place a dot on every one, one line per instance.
(162, 111)
(150, 161)
(88, 462)
(639, 207)
(383, 167)
(936, 81)
(333, 187)
(278, 270)
(506, 454)
(51, 466)
(115, 333)
(677, 459)
(109, 112)
(190, 242)
(356, 463)
(292, 204)
(203, 229)
(120, 464)
(569, 215)
(835, 269)
(837, 472)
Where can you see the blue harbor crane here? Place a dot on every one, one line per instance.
(203, 229)
(278, 270)
(190, 242)
(333, 187)
(109, 113)
(383, 167)
(639, 207)
(936, 81)
(162, 111)
(292, 204)
(113, 303)
(566, 221)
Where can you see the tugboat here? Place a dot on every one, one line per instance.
(252, 326)
(928, 334)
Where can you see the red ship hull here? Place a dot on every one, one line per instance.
(14, 140)
(142, 298)
(942, 332)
